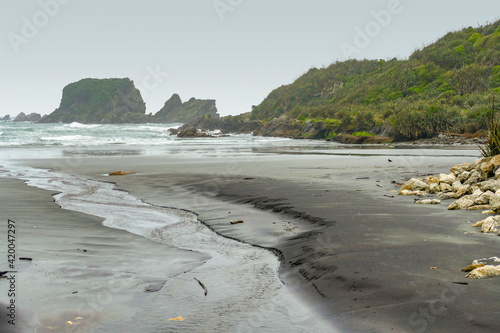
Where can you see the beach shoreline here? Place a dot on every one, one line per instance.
(359, 255)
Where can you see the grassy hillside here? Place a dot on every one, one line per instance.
(448, 86)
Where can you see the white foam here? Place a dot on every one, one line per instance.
(241, 278)
(79, 125)
(77, 137)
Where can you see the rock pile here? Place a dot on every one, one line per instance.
(473, 186)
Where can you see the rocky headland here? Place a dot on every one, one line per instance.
(174, 111)
(473, 186)
(118, 101)
(99, 101)
(32, 117)
(319, 129)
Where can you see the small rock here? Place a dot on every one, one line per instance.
(486, 167)
(445, 195)
(456, 185)
(461, 191)
(472, 188)
(410, 193)
(445, 187)
(462, 203)
(432, 180)
(433, 188)
(484, 198)
(477, 162)
(492, 185)
(476, 177)
(458, 169)
(490, 224)
(193, 133)
(486, 261)
(428, 202)
(463, 176)
(495, 202)
(476, 194)
(490, 164)
(447, 179)
(479, 207)
(414, 185)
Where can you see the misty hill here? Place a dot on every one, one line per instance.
(448, 86)
(174, 111)
(96, 101)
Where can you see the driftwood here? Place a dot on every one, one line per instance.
(236, 222)
(472, 267)
(121, 173)
(203, 286)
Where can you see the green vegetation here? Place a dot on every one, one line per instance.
(100, 101)
(363, 134)
(444, 87)
(492, 146)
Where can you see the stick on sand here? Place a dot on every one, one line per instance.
(202, 285)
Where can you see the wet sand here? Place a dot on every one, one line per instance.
(80, 269)
(360, 257)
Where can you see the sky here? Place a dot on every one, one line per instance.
(233, 51)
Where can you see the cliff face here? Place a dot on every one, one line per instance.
(174, 111)
(99, 101)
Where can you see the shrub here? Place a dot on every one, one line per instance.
(363, 133)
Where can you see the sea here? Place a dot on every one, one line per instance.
(245, 278)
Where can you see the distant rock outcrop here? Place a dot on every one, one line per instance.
(100, 101)
(32, 117)
(6, 118)
(174, 111)
(228, 124)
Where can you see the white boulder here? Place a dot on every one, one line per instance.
(414, 184)
(447, 179)
(428, 202)
(462, 203)
(445, 187)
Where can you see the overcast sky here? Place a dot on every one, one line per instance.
(234, 51)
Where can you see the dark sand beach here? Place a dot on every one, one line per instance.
(362, 258)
